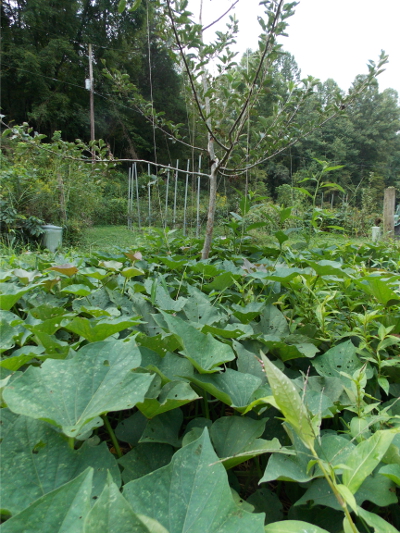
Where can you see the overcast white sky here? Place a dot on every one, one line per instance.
(328, 38)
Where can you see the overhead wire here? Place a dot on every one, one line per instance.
(116, 102)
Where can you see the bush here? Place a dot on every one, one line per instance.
(17, 229)
(55, 185)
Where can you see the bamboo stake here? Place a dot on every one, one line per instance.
(166, 199)
(176, 190)
(129, 198)
(137, 196)
(198, 202)
(149, 193)
(186, 192)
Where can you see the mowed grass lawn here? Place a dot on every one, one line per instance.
(109, 237)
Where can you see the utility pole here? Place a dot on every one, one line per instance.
(92, 134)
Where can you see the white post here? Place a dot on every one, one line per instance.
(129, 198)
(166, 199)
(176, 190)
(149, 192)
(198, 201)
(137, 195)
(186, 192)
(92, 133)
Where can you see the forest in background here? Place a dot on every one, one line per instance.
(45, 64)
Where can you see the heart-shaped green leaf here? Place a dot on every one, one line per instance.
(192, 494)
(72, 394)
(62, 510)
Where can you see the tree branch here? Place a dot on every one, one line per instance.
(259, 69)
(221, 17)
(188, 72)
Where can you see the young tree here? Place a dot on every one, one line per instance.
(226, 102)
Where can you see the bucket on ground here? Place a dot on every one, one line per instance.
(52, 237)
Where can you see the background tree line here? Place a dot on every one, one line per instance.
(45, 63)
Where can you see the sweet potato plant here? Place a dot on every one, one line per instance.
(147, 390)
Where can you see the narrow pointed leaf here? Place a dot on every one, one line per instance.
(365, 457)
(289, 402)
(375, 521)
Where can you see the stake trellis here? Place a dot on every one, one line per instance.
(186, 193)
(133, 194)
(198, 201)
(175, 192)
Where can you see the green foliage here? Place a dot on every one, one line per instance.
(50, 183)
(184, 369)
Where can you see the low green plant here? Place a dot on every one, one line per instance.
(155, 375)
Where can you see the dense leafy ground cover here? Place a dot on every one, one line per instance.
(146, 390)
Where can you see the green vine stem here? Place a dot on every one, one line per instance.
(338, 496)
(112, 435)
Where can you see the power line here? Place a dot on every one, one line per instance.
(116, 102)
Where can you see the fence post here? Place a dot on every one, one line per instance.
(166, 199)
(186, 192)
(137, 195)
(129, 197)
(176, 189)
(198, 201)
(388, 212)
